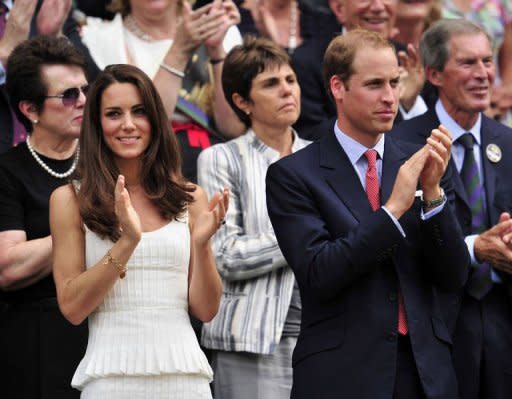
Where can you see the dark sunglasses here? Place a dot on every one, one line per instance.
(70, 96)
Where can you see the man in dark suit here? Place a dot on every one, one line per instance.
(458, 61)
(376, 16)
(375, 281)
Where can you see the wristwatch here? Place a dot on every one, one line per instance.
(434, 203)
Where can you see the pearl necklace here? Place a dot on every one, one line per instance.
(131, 24)
(47, 168)
(292, 38)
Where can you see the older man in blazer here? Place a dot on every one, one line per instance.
(458, 61)
(375, 281)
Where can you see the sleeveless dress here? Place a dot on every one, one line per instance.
(141, 343)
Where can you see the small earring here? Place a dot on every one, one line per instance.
(248, 113)
(35, 121)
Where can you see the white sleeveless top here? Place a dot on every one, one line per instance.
(142, 327)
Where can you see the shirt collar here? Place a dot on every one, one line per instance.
(353, 148)
(269, 152)
(455, 129)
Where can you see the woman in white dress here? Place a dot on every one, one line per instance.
(131, 248)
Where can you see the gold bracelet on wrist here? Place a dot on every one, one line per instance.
(109, 259)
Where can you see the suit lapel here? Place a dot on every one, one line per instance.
(341, 176)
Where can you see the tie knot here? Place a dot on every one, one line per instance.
(371, 156)
(467, 141)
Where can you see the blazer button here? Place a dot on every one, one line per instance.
(392, 296)
(392, 337)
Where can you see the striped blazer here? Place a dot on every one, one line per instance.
(258, 283)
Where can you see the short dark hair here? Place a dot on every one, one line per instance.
(243, 63)
(24, 81)
(435, 41)
(97, 170)
(341, 52)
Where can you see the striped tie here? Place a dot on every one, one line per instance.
(480, 281)
(372, 192)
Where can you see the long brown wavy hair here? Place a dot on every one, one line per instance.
(97, 170)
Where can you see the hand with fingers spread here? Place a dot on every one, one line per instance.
(17, 28)
(197, 25)
(404, 189)
(129, 221)
(214, 43)
(412, 76)
(439, 145)
(208, 222)
(493, 245)
(51, 16)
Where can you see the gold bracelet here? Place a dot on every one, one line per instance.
(109, 259)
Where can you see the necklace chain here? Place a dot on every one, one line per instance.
(47, 168)
(131, 24)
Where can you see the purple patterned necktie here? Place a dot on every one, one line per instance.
(480, 282)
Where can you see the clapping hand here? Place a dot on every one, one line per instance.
(412, 76)
(209, 221)
(439, 145)
(129, 221)
(196, 26)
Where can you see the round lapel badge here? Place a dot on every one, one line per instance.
(493, 153)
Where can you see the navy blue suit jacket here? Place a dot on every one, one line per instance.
(349, 263)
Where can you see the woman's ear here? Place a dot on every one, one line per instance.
(29, 110)
(241, 103)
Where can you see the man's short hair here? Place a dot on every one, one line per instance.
(435, 41)
(341, 52)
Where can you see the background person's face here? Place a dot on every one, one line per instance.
(374, 15)
(55, 117)
(466, 80)
(274, 99)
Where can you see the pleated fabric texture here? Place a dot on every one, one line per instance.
(142, 328)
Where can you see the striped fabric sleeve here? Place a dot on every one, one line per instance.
(239, 255)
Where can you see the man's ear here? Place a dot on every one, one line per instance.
(29, 110)
(434, 76)
(337, 87)
(338, 9)
(241, 103)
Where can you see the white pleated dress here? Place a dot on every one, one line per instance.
(141, 343)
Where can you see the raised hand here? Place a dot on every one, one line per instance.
(208, 222)
(129, 220)
(439, 144)
(51, 16)
(17, 28)
(412, 76)
(197, 25)
(231, 17)
(406, 181)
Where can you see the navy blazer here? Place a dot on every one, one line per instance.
(349, 262)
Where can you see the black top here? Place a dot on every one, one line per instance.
(24, 205)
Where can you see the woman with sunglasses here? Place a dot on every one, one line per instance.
(39, 348)
(131, 248)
